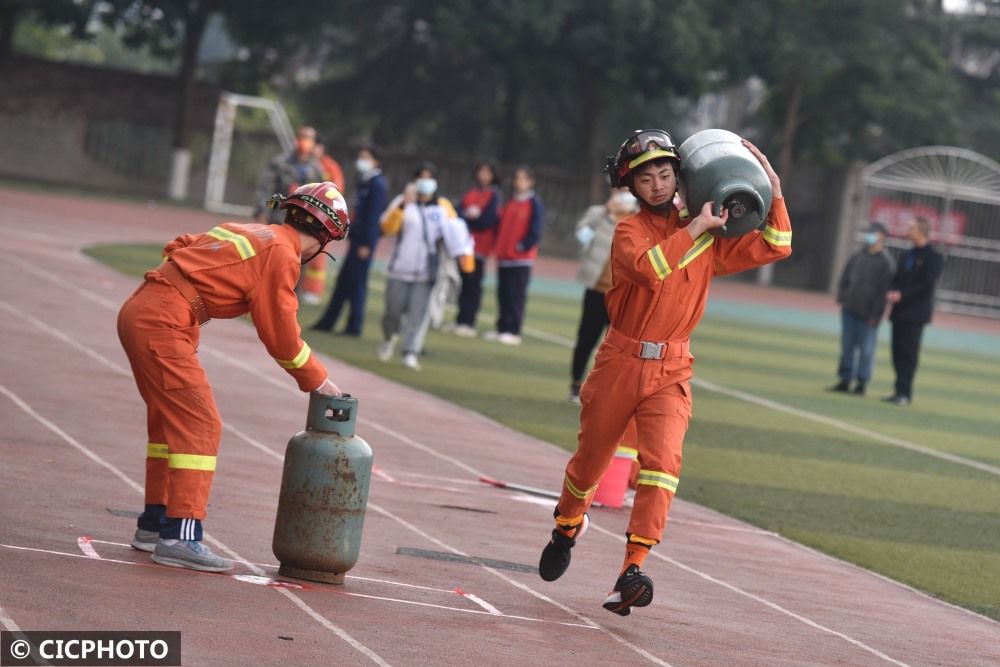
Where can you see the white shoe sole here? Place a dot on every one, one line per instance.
(177, 562)
(148, 547)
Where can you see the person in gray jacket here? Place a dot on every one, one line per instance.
(594, 231)
(862, 296)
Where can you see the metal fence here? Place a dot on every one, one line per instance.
(959, 192)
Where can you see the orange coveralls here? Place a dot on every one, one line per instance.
(235, 268)
(660, 285)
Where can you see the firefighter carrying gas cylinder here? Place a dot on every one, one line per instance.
(661, 270)
(223, 273)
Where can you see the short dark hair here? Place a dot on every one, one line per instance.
(526, 170)
(425, 166)
(372, 148)
(924, 225)
(489, 164)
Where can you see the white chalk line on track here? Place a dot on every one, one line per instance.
(431, 451)
(86, 451)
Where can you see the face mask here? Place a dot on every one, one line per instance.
(626, 201)
(364, 166)
(426, 186)
(871, 238)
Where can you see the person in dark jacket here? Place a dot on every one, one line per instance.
(861, 294)
(352, 281)
(912, 299)
(518, 235)
(480, 208)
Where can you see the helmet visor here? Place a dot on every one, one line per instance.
(648, 145)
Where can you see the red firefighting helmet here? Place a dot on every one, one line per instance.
(324, 207)
(641, 147)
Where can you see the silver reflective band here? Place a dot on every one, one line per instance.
(650, 350)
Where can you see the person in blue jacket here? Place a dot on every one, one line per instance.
(352, 281)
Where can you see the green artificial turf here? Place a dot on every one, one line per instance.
(930, 523)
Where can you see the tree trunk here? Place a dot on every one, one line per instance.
(591, 112)
(8, 22)
(791, 126)
(510, 116)
(194, 29)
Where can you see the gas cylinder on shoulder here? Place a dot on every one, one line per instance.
(717, 167)
(324, 493)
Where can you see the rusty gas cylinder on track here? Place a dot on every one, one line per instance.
(324, 493)
(717, 167)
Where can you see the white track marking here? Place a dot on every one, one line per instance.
(87, 548)
(490, 608)
(756, 598)
(7, 621)
(208, 538)
(66, 553)
(257, 373)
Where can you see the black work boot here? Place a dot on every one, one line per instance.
(556, 555)
(633, 589)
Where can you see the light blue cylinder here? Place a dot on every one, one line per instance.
(324, 493)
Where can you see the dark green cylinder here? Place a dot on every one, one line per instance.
(717, 167)
(324, 493)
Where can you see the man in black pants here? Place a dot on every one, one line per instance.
(912, 296)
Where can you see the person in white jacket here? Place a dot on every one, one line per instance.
(420, 220)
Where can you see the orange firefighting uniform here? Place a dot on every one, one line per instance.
(660, 285)
(235, 269)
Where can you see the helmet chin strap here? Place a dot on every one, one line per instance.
(322, 249)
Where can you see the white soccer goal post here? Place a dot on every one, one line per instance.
(222, 145)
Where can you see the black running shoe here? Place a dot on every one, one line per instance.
(633, 589)
(556, 555)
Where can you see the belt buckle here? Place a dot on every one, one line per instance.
(650, 350)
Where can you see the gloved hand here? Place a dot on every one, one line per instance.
(585, 235)
(467, 263)
(328, 388)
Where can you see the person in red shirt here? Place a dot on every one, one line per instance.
(661, 271)
(480, 208)
(226, 272)
(518, 235)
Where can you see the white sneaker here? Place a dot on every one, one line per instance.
(311, 299)
(509, 339)
(464, 331)
(385, 349)
(410, 361)
(491, 335)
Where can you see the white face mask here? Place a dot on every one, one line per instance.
(625, 201)
(364, 165)
(426, 186)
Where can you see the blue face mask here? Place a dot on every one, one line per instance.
(871, 238)
(426, 186)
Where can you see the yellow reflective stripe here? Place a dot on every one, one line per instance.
(657, 478)
(569, 521)
(775, 236)
(156, 450)
(315, 273)
(191, 462)
(651, 155)
(701, 244)
(582, 495)
(243, 245)
(659, 261)
(643, 540)
(630, 452)
(300, 359)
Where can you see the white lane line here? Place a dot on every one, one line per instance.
(87, 548)
(8, 622)
(488, 607)
(65, 553)
(427, 449)
(86, 451)
(766, 602)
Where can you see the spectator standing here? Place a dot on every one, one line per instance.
(283, 175)
(480, 208)
(419, 219)
(594, 231)
(861, 294)
(352, 281)
(518, 235)
(314, 275)
(912, 299)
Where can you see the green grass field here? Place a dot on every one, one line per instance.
(930, 523)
